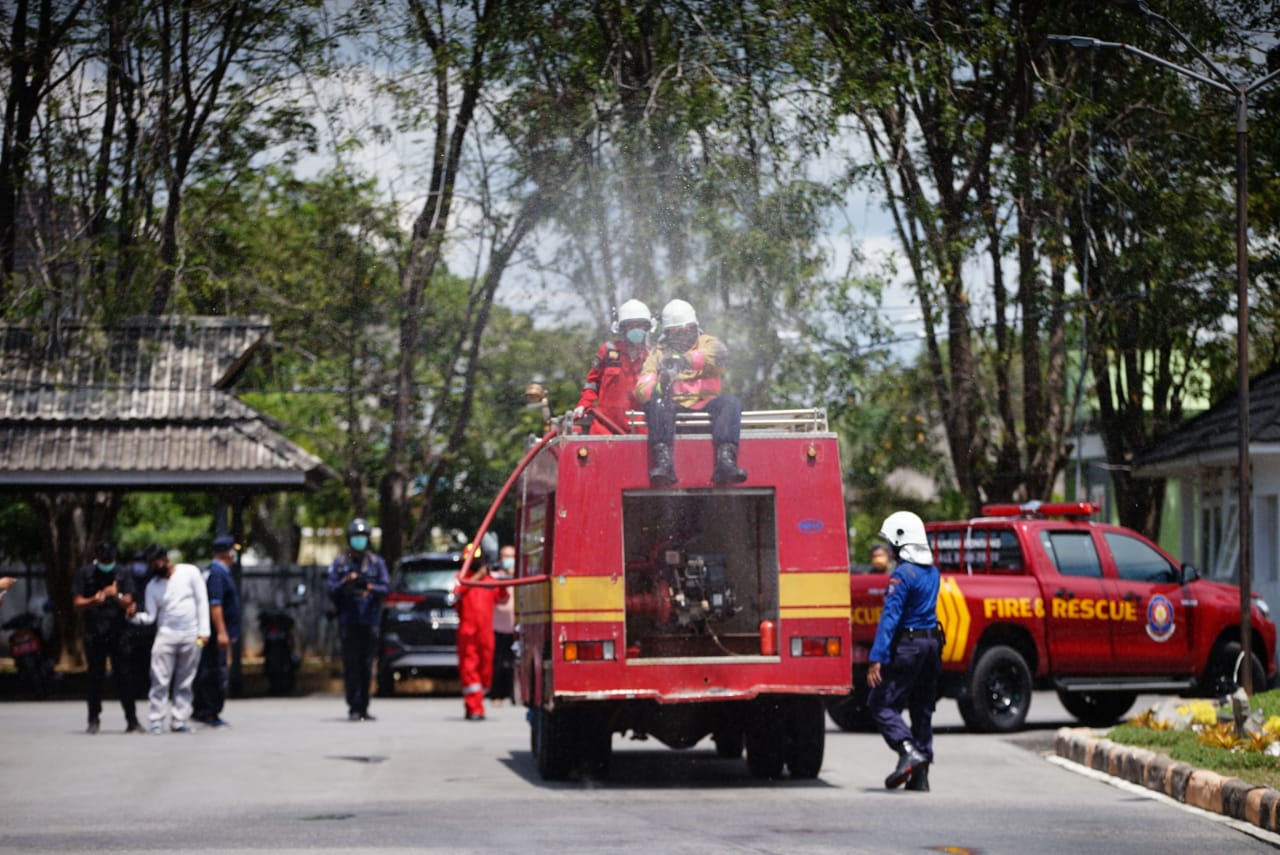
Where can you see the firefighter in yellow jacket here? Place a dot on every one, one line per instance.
(683, 373)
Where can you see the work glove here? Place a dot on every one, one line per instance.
(579, 412)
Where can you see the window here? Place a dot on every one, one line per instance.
(1138, 562)
(977, 550)
(420, 575)
(1072, 552)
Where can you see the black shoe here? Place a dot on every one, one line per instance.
(135, 727)
(353, 716)
(475, 716)
(919, 779)
(364, 716)
(909, 759)
(662, 467)
(93, 727)
(727, 470)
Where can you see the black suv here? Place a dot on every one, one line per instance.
(419, 622)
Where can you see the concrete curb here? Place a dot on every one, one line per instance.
(1209, 791)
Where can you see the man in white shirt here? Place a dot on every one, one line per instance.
(178, 604)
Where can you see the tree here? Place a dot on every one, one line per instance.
(702, 181)
(1154, 231)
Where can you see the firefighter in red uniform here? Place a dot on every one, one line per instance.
(475, 628)
(611, 382)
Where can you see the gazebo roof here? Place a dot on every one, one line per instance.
(142, 404)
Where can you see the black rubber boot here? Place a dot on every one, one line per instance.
(727, 471)
(909, 759)
(662, 468)
(919, 779)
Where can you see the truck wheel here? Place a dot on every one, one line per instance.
(1221, 677)
(595, 741)
(729, 741)
(550, 746)
(1097, 709)
(807, 735)
(998, 692)
(766, 739)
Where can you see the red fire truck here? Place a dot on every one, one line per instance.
(684, 611)
(1036, 595)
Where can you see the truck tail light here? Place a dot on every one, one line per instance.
(588, 651)
(810, 645)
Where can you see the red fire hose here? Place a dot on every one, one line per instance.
(484, 526)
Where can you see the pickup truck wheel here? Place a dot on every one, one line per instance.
(807, 728)
(1220, 677)
(850, 713)
(1097, 709)
(998, 692)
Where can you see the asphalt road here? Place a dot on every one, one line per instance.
(294, 775)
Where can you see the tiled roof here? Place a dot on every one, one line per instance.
(141, 404)
(1218, 428)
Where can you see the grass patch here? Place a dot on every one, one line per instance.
(1252, 767)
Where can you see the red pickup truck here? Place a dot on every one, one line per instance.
(1037, 596)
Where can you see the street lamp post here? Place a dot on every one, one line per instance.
(1240, 91)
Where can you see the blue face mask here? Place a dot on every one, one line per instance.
(359, 542)
(508, 564)
(635, 336)
(106, 568)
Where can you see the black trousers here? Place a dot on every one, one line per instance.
(725, 412)
(359, 644)
(504, 660)
(97, 650)
(211, 681)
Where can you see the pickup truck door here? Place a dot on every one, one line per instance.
(1155, 635)
(1078, 637)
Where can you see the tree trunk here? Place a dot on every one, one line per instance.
(72, 523)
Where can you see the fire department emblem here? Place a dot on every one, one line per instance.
(1160, 625)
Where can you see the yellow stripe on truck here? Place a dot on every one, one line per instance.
(575, 599)
(813, 595)
(953, 613)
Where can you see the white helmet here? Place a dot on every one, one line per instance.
(903, 528)
(678, 313)
(633, 310)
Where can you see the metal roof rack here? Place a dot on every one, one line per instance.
(809, 420)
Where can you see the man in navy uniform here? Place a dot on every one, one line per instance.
(906, 656)
(224, 620)
(358, 583)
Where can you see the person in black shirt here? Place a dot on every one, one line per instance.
(103, 592)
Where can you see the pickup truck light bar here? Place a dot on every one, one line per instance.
(1041, 510)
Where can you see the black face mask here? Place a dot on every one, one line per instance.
(681, 341)
(158, 572)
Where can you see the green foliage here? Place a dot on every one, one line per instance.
(700, 182)
(180, 522)
(19, 531)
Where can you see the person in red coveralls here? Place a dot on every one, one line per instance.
(475, 626)
(611, 383)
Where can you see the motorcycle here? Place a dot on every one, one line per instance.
(26, 646)
(280, 661)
